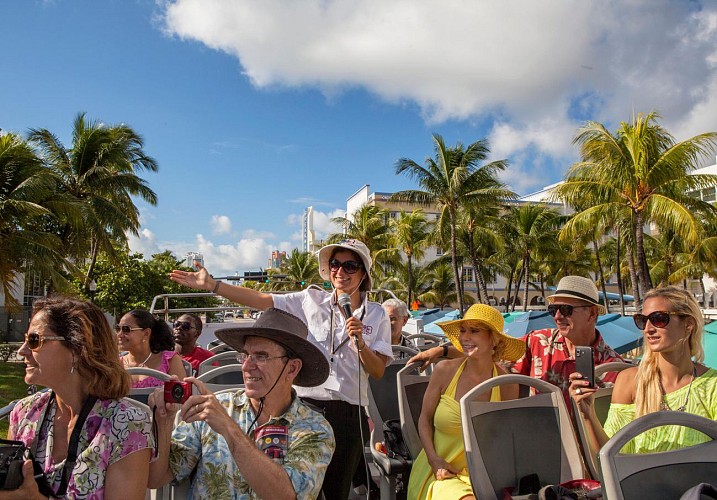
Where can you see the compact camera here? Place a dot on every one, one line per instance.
(12, 455)
(176, 391)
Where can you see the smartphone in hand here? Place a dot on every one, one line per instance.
(585, 363)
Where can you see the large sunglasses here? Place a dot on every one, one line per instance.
(34, 340)
(565, 309)
(126, 328)
(658, 319)
(182, 325)
(350, 266)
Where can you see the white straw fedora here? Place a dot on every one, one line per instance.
(578, 287)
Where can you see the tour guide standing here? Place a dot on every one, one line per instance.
(260, 441)
(365, 336)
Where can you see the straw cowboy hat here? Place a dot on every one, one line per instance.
(577, 287)
(356, 246)
(289, 331)
(490, 317)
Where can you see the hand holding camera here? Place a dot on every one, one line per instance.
(176, 391)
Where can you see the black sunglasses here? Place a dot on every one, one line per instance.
(182, 325)
(565, 309)
(659, 319)
(34, 340)
(126, 328)
(350, 266)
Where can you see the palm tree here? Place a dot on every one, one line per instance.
(300, 270)
(443, 288)
(535, 232)
(411, 232)
(643, 174)
(26, 203)
(451, 179)
(99, 172)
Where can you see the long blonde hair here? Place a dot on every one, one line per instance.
(648, 392)
(93, 345)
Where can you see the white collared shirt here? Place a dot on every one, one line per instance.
(315, 307)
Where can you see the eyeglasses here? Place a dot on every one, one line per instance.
(565, 309)
(126, 328)
(182, 325)
(350, 266)
(257, 359)
(658, 319)
(34, 340)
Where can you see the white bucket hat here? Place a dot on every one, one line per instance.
(356, 246)
(577, 287)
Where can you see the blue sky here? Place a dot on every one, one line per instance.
(255, 109)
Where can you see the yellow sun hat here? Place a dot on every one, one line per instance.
(488, 316)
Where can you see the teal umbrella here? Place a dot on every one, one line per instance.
(709, 343)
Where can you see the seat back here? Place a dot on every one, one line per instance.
(424, 341)
(506, 440)
(666, 474)
(188, 367)
(219, 347)
(223, 377)
(412, 385)
(223, 358)
(601, 399)
(141, 394)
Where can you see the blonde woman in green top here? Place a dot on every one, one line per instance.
(669, 378)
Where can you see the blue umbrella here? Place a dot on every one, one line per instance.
(433, 328)
(619, 332)
(709, 343)
(529, 321)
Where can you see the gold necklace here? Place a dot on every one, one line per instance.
(665, 407)
(140, 365)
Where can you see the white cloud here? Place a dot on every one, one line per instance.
(538, 68)
(221, 224)
(145, 243)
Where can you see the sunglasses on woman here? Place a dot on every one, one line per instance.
(34, 340)
(126, 328)
(350, 266)
(182, 325)
(565, 309)
(658, 319)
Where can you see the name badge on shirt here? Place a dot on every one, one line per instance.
(273, 440)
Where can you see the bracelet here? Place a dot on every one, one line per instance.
(364, 346)
(216, 287)
(445, 350)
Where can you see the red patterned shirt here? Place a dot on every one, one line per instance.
(547, 358)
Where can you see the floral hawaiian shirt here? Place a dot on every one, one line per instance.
(113, 430)
(304, 451)
(548, 359)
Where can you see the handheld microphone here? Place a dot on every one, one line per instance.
(345, 305)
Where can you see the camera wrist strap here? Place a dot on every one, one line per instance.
(71, 459)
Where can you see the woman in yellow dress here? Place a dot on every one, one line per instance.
(440, 471)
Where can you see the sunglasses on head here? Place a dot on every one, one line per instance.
(350, 266)
(658, 319)
(34, 340)
(182, 325)
(565, 309)
(126, 328)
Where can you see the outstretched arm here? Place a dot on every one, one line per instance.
(201, 280)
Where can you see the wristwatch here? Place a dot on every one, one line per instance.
(445, 349)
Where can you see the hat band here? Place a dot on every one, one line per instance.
(577, 294)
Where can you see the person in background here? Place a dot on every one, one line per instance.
(357, 346)
(187, 329)
(69, 348)
(148, 343)
(398, 315)
(670, 377)
(440, 470)
(551, 351)
(261, 441)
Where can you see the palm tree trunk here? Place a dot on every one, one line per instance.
(526, 266)
(704, 293)
(517, 288)
(633, 278)
(454, 261)
(480, 283)
(618, 267)
(410, 278)
(596, 248)
(509, 289)
(642, 269)
(93, 262)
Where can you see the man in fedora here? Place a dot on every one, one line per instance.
(260, 441)
(550, 355)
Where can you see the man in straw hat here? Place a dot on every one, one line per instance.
(357, 346)
(260, 441)
(551, 352)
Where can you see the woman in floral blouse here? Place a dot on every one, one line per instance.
(70, 349)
